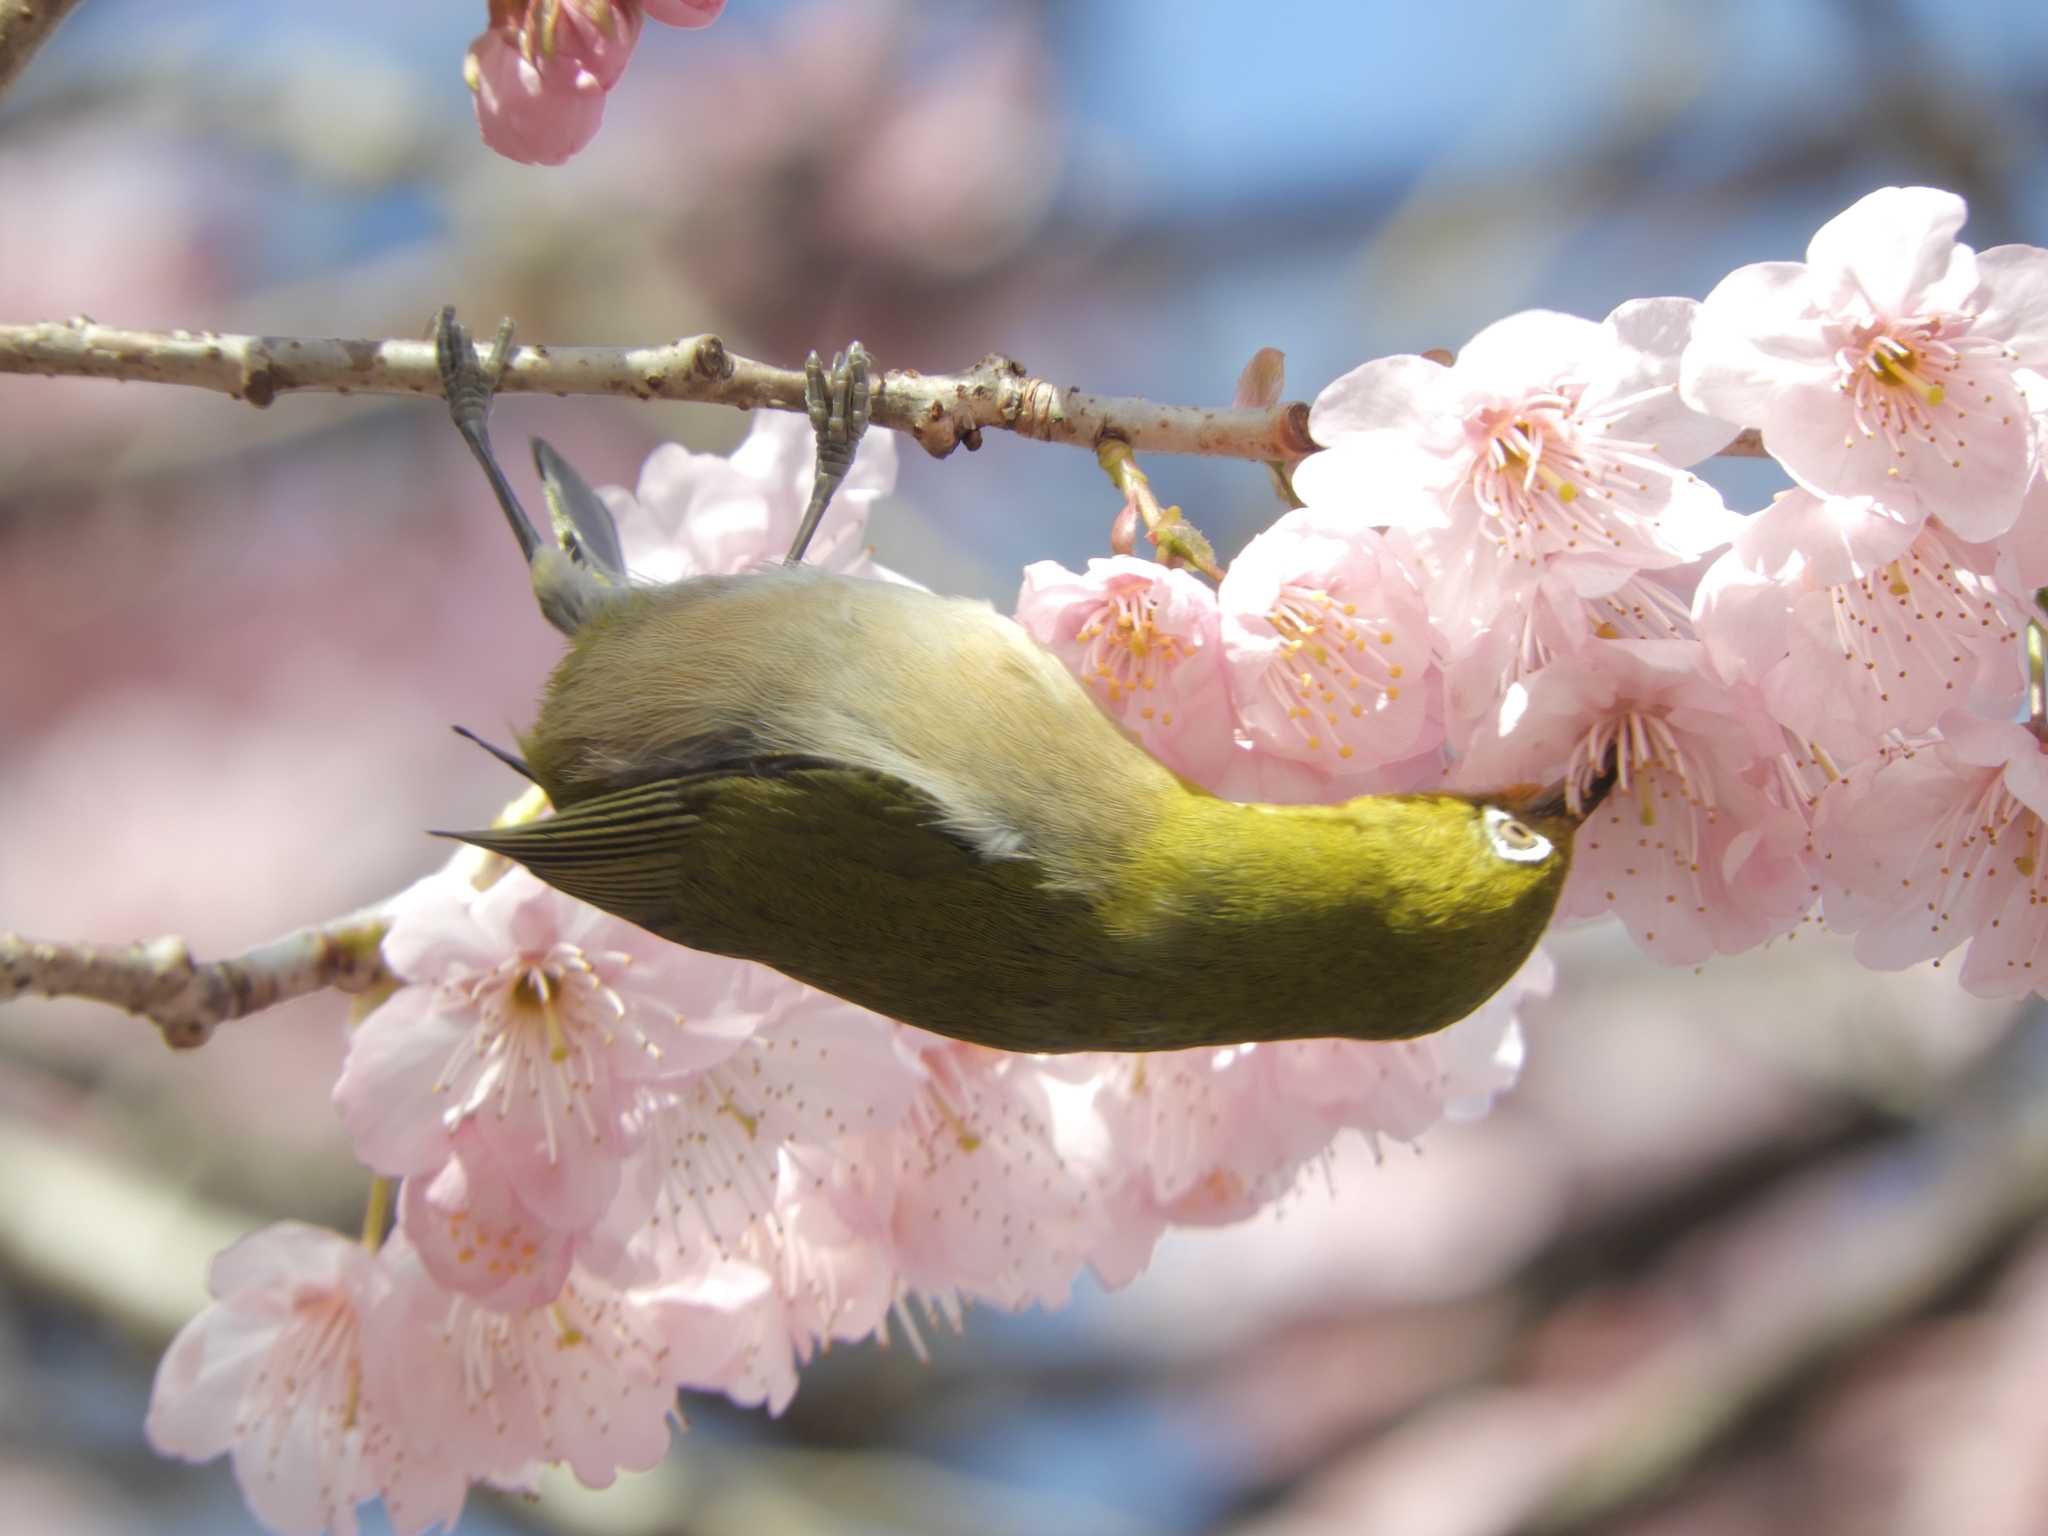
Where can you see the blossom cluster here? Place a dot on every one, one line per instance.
(1504, 572)
(540, 72)
(625, 1168)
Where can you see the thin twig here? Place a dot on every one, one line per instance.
(1178, 541)
(159, 980)
(25, 25)
(941, 410)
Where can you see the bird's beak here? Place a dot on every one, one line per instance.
(1556, 801)
(1549, 803)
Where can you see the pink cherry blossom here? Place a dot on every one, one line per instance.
(541, 72)
(1857, 621)
(474, 1236)
(1935, 845)
(1330, 649)
(587, 1380)
(532, 1026)
(988, 1187)
(814, 1071)
(575, 37)
(1198, 1138)
(791, 1285)
(1251, 773)
(1145, 640)
(540, 76)
(683, 13)
(2019, 558)
(695, 514)
(1552, 440)
(1567, 609)
(1212, 1136)
(272, 1373)
(523, 114)
(2022, 553)
(1687, 850)
(1883, 365)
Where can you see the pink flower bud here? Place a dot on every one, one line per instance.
(540, 79)
(525, 115)
(683, 13)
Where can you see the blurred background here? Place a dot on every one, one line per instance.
(1753, 1249)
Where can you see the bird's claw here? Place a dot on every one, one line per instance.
(466, 382)
(838, 402)
(469, 385)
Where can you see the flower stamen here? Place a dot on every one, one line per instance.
(1127, 652)
(1893, 360)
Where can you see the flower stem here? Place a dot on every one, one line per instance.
(1177, 540)
(377, 1212)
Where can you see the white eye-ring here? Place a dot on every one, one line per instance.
(1514, 839)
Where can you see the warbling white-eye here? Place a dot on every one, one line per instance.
(901, 799)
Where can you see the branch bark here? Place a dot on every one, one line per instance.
(25, 25)
(186, 1000)
(941, 410)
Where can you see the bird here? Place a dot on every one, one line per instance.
(901, 799)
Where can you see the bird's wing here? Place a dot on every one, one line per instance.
(632, 851)
(616, 851)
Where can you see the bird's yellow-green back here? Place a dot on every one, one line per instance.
(942, 694)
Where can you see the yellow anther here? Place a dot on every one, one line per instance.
(1896, 363)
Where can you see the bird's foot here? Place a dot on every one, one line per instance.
(838, 404)
(467, 383)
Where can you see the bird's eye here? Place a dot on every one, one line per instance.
(1515, 839)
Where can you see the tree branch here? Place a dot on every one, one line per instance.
(940, 410)
(159, 980)
(25, 25)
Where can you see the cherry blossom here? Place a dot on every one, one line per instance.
(586, 1380)
(1551, 441)
(1146, 641)
(695, 514)
(272, 1373)
(1857, 621)
(683, 13)
(2019, 557)
(1212, 1136)
(793, 1283)
(815, 1071)
(1883, 365)
(473, 1234)
(540, 74)
(532, 1026)
(1567, 609)
(1687, 849)
(987, 1187)
(1936, 845)
(1330, 649)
